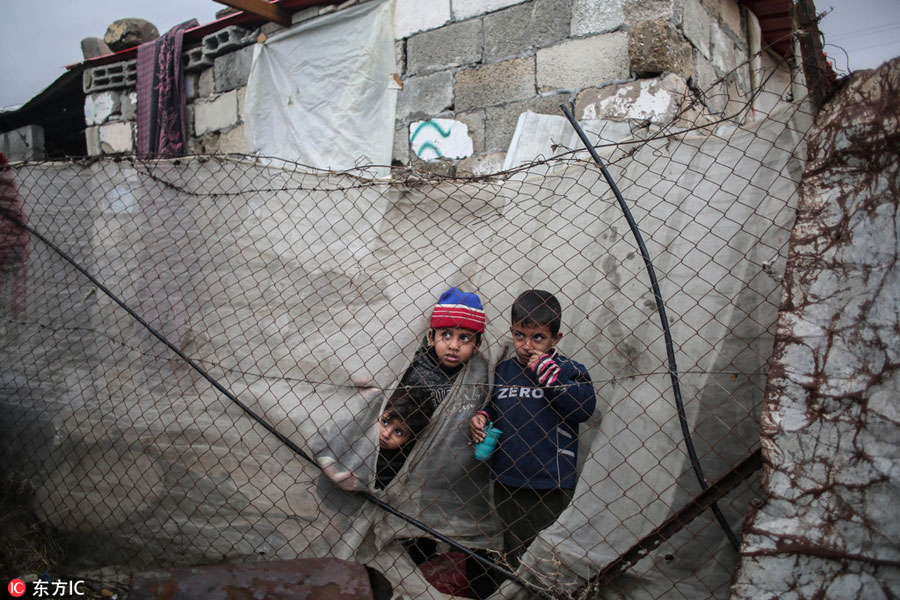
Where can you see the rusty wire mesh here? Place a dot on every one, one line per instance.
(305, 294)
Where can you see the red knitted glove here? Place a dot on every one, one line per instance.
(546, 369)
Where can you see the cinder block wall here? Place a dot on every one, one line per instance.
(473, 64)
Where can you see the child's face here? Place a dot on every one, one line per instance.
(453, 345)
(392, 432)
(532, 341)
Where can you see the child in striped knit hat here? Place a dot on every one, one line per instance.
(428, 469)
(457, 323)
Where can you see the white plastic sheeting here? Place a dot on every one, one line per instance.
(291, 286)
(322, 103)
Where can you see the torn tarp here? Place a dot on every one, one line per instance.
(324, 104)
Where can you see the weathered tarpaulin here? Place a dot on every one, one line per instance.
(325, 104)
(831, 426)
(306, 295)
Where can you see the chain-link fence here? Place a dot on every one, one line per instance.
(188, 343)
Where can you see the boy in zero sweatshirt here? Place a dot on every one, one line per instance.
(538, 400)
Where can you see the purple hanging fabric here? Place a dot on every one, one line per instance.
(161, 103)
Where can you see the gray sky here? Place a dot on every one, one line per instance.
(38, 38)
(860, 34)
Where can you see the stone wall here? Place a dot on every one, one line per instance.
(830, 422)
(469, 68)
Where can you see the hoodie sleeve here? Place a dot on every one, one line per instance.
(572, 395)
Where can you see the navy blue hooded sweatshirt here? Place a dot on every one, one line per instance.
(539, 445)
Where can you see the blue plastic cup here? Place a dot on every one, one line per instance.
(485, 448)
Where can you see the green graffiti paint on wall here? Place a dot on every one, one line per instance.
(428, 145)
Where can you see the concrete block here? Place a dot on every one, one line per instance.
(400, 57)
(270, 28)
(347, 4)
(241, 96)
(520, 29)
(695, 24)
(657, 100)
(455, 45)
(207, 144)
(642, 10)
(481, 165)
(129, 106)
(233, 141)
(215, 114)
(195, 59)
(440, 138)
(304, 15)
(464, 9)
(582, 63)
(495, 84)
(92, 140)
(596, 16)
(707, 82)
(500, 121)
(327, 9)
(189, 115)
(400, 152)
(440, 167)
(116, 138)
(412, 16)
(425, 96)
(99, 107)
(232, 70)
(655, 47)
(730, 15)
(723, 54)
(227, 40)
(110, 77)
(475, 122)
(195, 145)
(206, 84)
(191, 86)
(24, 143)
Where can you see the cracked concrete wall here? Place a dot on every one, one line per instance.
(831, 419)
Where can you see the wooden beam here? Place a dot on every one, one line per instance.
(820, 78)
(261, 8)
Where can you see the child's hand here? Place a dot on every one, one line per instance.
(345, 480)
(545, 368)
(476, 427)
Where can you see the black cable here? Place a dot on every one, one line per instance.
(281, 437)
(660, 307)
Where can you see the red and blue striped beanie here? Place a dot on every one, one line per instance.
(456, 308)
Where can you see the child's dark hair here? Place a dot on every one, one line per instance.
(537, 308)
(412, 405)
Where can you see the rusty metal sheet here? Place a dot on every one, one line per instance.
(302, 578)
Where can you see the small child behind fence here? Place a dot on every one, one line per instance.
(538, 400)
(405, 416)
(453, 339)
